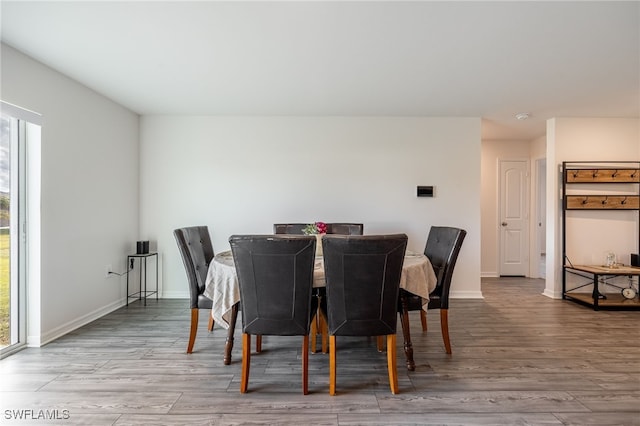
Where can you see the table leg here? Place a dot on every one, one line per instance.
(157, 277)
(314, 331)
(145, 280)
(404, 319)
(128, 257)
(229, 343)
(596, 292)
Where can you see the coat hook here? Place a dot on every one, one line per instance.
(624, 201)
(605, 200)
(586, 199)
(595, 174)
(615, 173)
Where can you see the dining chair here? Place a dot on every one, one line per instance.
(319, 323)
(194, 244)
(442, 249)
(289, 228)
(275, 276)
(363, 280)
(345, 228)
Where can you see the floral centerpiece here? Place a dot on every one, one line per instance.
(317, 229)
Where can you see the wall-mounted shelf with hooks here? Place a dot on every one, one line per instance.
(607, 175)
(611, 185)
(602, 202)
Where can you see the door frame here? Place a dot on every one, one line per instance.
(539, 225)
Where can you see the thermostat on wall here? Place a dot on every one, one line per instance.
(425, 191)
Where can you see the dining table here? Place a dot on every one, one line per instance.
(221, 286)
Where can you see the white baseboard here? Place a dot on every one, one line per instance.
(174, 295)
(466, 295)
(37, 341)
(489, 275)
(552, 294)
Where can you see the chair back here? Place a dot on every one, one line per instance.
(442, 249)
(196, 250)
(363, 279)
(332, 228)
(345, 228)
(275, 275)
(289, 228)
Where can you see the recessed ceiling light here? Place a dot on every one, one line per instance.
(523, 115)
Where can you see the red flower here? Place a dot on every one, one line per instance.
(321, 227)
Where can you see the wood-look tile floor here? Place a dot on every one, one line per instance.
(519, 358)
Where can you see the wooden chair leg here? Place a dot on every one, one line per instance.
(211, 323)
(380, 343)
(305, 365)
(444, 325)
(391, 363)
(259, 343)
(246, 362)
(332, 365)
(194, 329)
(314, 332)
(423, 319)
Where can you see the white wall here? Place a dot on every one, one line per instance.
(492, 152)
(590, 233)
(89, 198)
(241, 175)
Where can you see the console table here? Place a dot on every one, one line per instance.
(596, 299)
(143, 293)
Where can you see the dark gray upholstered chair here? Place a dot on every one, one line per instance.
(319, 324)
(345, 228)
(442, 249)
(196, 250)
(289, 228)
(363, 281)
(275, 275)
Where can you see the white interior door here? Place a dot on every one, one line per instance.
(514, 218)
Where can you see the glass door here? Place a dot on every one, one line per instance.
(12, 235)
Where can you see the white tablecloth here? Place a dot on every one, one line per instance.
(222, 282)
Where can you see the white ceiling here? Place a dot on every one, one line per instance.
(420, 58)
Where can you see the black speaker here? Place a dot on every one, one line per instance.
(142, 247)
(635, 260)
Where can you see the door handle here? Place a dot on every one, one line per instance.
(504, 223)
